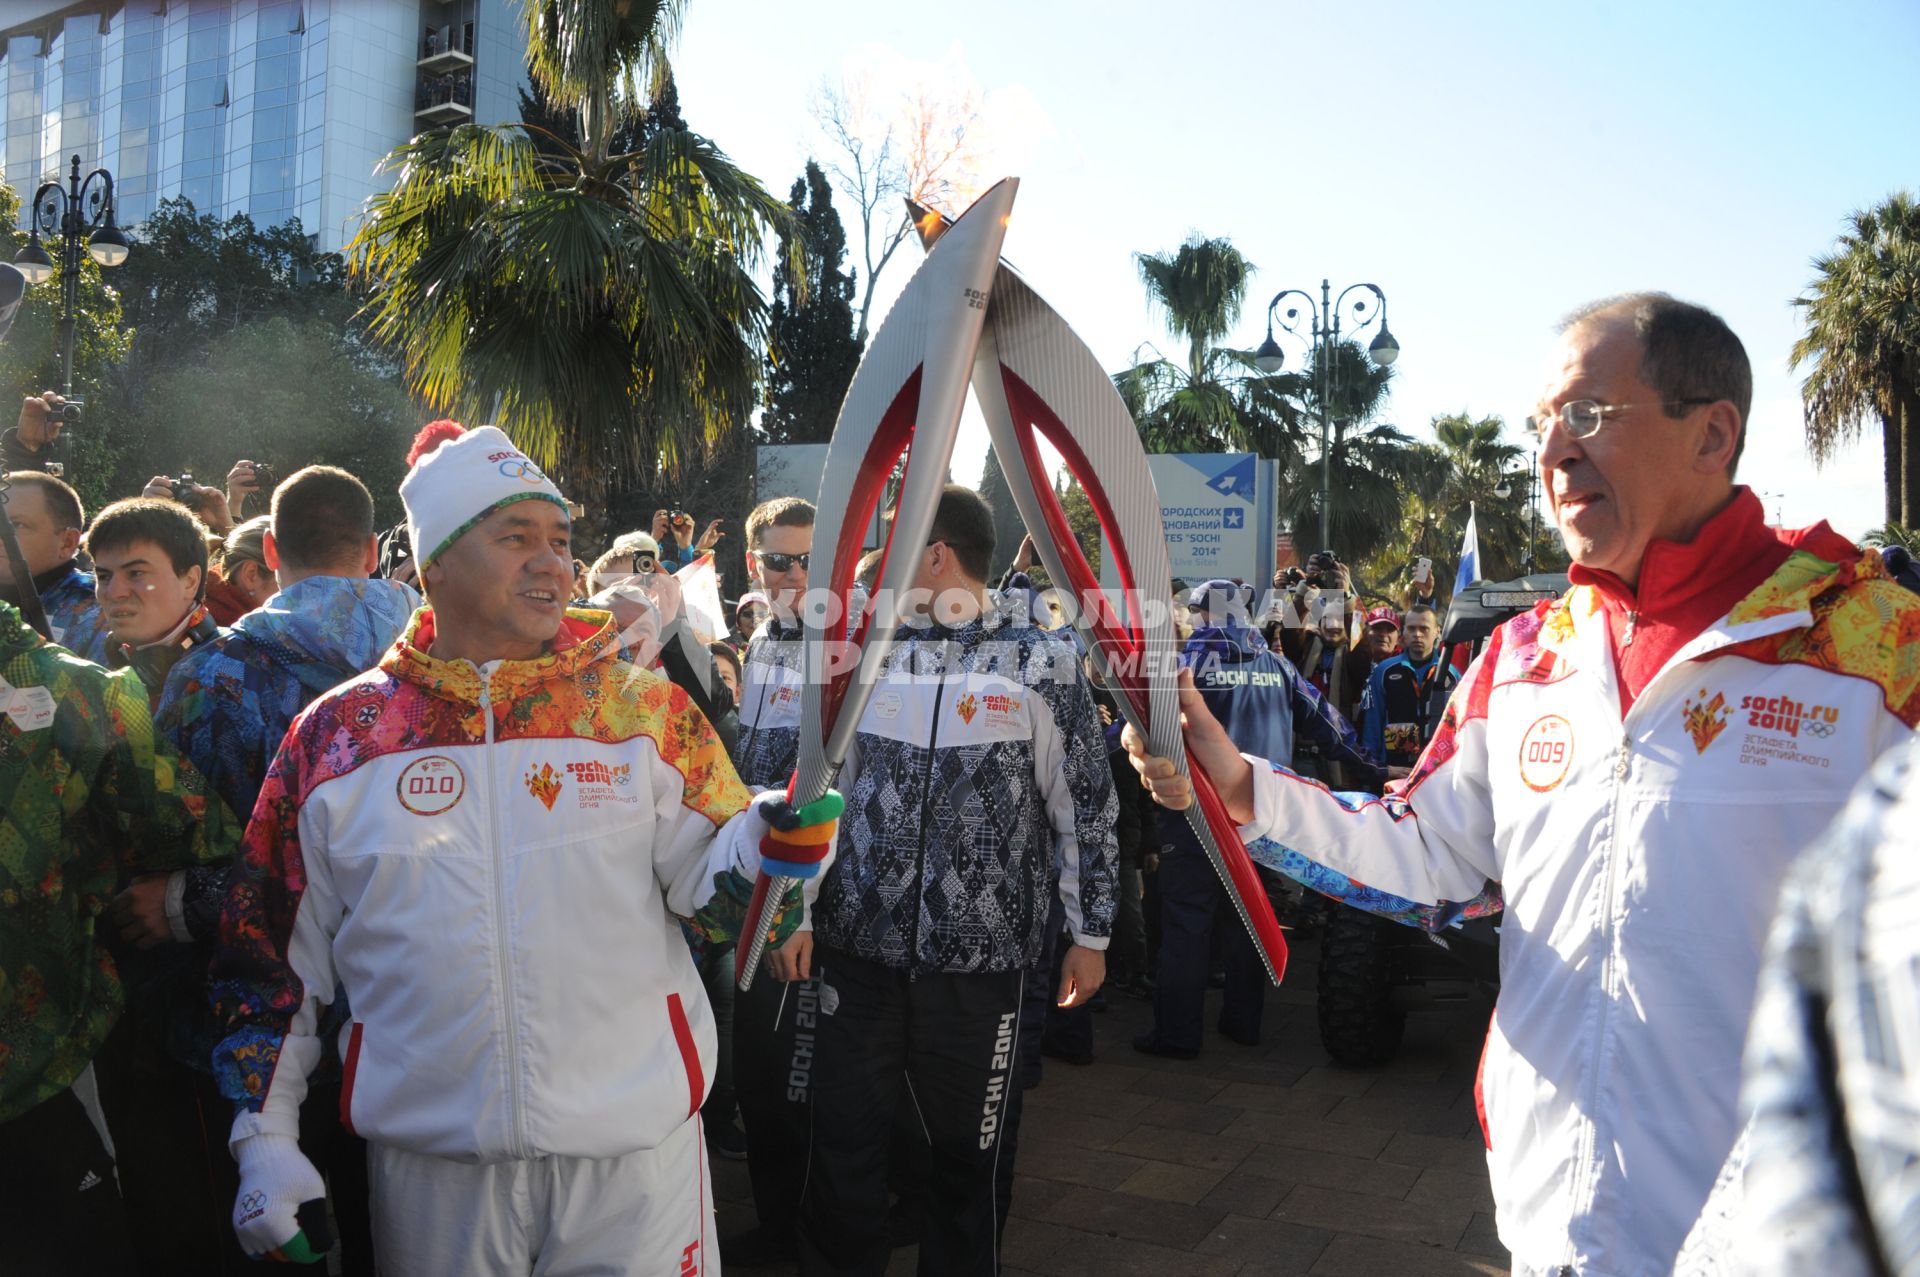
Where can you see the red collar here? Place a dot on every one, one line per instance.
(1685, 587)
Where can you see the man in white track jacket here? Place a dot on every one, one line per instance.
(489, 842)
(1632, 768)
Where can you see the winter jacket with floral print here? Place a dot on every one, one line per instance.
(88, 796)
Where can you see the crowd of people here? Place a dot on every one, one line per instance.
(377, 892)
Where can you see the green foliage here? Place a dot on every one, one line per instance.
(289, 393)
(1081, 517)
(1218, 400)
(1008, 528)
(30, 357)
(599, 306)
(1370, 461)
(811, 351)
(1891, 533)
(1862, 345)
(1439, 483)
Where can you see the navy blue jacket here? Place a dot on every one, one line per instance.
(1262, 700)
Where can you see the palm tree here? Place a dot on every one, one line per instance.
(1369, 460)
(1863, 345)
(1216, 399)
(597, 303)
(1466, 469)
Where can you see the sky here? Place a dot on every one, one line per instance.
(1490, 166)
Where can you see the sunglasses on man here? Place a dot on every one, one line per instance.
(774, 562)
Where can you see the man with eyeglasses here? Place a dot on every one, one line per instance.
(1632, 767)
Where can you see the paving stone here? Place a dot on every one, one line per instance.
(1430, 1150)
(1049, 1159)
(1299, 1131)
(1101, 1256)
(1032, 1196)
(1449, 1186)
(1140, 1219)
(1265, 1072)
(1482, 1238)
(1244, 1193)
(1189, 1084)
(904, 1262)
(1185, 1115)
(1108, 1074)
(1275, 1097)
(1188, 1148)
(1371, 1257)
(1264, 1245)
(1167, 1182)
(1339, 1079)
(1066, 1093)
(1345, 1212)
(1331, 1170)
(1404, 1114)
(1030, 1243)
(1086, 1130)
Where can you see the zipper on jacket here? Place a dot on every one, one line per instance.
(516, 1138)
(1626, 631)
(926, 794)
(1584, 1175)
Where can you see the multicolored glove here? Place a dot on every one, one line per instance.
(281, 1211)
(799, 839)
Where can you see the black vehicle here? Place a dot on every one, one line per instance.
(1374, 971)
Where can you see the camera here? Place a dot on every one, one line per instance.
(1323, 570)
(183, 489)
(69, 413)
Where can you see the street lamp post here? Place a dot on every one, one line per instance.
(81, 214)
(1506, 489)
(1324, 328)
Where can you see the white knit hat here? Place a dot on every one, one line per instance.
(460, 482)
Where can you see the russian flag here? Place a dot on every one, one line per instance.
(1469, 553)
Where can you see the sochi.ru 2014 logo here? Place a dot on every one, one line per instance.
(1784, 714)
(544, 784)
(967, 707)
(1705, 719)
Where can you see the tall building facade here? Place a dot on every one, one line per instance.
(273, 108)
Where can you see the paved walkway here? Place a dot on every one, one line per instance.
(1249, 1160)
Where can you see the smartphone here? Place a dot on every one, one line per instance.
(1423, 569)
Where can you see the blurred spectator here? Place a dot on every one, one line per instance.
(242, 581)
(749, 614)
(727, 662)
(49, 521)
(1407, 694)
(1262, 700)
(29, 445)
(209, 505)
(150, 573)
(1383, 633)
(92, 799)
(1900, 566)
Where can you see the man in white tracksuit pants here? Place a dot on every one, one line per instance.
(490, 844)
(1631, 768)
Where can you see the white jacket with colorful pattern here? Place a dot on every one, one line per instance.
(1639, 860)
(491, 864)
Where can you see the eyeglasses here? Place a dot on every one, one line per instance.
(773, 562)
(1583, 416)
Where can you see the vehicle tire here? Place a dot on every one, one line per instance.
(1359, 1025)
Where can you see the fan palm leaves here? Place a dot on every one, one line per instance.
(600, 307)
(1862, 345)
(1368, 460)
(1216, 399)
(1469, 467)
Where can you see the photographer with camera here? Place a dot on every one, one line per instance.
(29, 445)
(209, 505)
(673, 532)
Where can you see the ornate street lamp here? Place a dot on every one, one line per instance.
(1323, 338)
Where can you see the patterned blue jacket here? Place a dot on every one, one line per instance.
(977, 786)
(768, 745)
(74, 616)
(227, 705)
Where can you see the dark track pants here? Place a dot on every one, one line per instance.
(60, 1209)
(775, 1028)
(949, 1041)
(1192, 905)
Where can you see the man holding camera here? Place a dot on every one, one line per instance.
(29, 445)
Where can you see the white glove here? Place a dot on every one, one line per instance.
(276, 1183)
